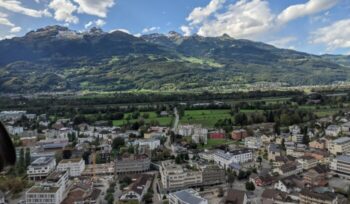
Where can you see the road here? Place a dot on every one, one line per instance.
(174, 128)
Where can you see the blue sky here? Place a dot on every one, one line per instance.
(315, 26)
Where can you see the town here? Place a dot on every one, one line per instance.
(212, 152)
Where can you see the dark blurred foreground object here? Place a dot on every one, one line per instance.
(7, 151)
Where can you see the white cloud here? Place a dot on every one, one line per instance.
(244, 19)
(7, 37)
(95, 7)
(199, 14)
(151, 29)
(16, 29)
(247, 18)
(64, 10)
(283, 42)
(98, 23)
(336, 35)
(16, 6)
(301, 10)
(5, 21)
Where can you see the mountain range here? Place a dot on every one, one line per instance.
(56, 58)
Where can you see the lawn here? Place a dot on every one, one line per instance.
(163, 120)
(212, 143)
(207, 118)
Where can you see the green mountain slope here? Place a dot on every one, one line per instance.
(58, 59)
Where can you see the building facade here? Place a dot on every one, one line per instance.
(40, 168)
(132, 164)
(75, 167)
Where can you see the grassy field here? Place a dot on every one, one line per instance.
(207, 118)
(320, 111)
(164, 120)
(216, 142)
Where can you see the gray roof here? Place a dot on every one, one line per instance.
(342, 140)
(343, 158)
(189, 196)
(41, 161)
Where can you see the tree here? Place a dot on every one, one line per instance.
(231, 179)
(259, 159)
(241, 119)
(306, 139)
(283, 144)
(249, 186)
(27, 157)
(118, 142)
(277, 128)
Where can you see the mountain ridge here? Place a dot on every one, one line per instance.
(56, 58)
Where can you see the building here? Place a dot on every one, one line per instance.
(83, 192)
(273, 151)
(307, 162)
(200, 135)
(185, 130)
(224, 159)
(333, 130)
(262, 179)
(289, 184)
(58, 179)
(308, 196)
(212, 174)
(53, 144)
(294, 129)
(318, 144)
(275, 196)
(74, 167)
(12, 115)
(236, 196)
(252, 142)
(289, 169)
(132, 163)
(41, 168)
(44, 195)
(316, 176)
(176, 177)
(339, 146)
(137, 189)
(217, 135)
(297, 138)
(341, 166)
(239, 134)
(2, 198)
(187, 196)
(150, 143)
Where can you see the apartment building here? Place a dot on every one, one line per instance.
(176, 177)
(308, 196)
(132, 163)
(224, 159)
(341, 166)
(41, 168)
(75, 167)
(187, 196)
(252, 142)
(339, 146)
(44, 195)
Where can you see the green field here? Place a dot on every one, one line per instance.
(212, 143)
(320, 111)
(207, 118)
(163, 121)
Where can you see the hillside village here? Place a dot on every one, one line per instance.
(62, 161)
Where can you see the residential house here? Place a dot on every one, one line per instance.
(341, 166)
(289, 184)
(318, 144)
(333, 130)
(316, 176)
(252, 142)
(273, 151)
(339, 146)
(274, 196)
(239, 134)
(307, 162)
(186, 196)
(309, 196)
(289, 169)
(217, 134)
(137, 189)
(261, 179)
(236, 197)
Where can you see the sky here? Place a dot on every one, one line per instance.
(313, 26)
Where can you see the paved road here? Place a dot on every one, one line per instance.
(174, 128)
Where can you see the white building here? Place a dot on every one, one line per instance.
(74, 166)
(58, 179)
(339, 146)
(185, 130)
(224, 159)
(12, 115)
(200, 135)
(252, 142)
(341, 166)
(44, 195)
(188, 196)
(13, 130)
(294, 129)
(41, 168)
(297, 138)
(150, 143)
(333, 130)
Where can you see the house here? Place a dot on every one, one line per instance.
(289, 169)
(289, 184)
(252, 142)
(152, 144)
(345, 128)
(309, 196)
(294, 129)
(43, 194)
(236, 197)
(341, 166)
(137, 189)
(239, 134)
(281, 160)
(217, 134)
(298, 138)
(307, 162)
(186, 196)
(75, 167)
(316, 176)
(224, 159)
(273, 151)
(318, 144)
(41, 168)
(339, 146)
(83, 192)
(274, 196)
(261, 179)
(333, 130)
